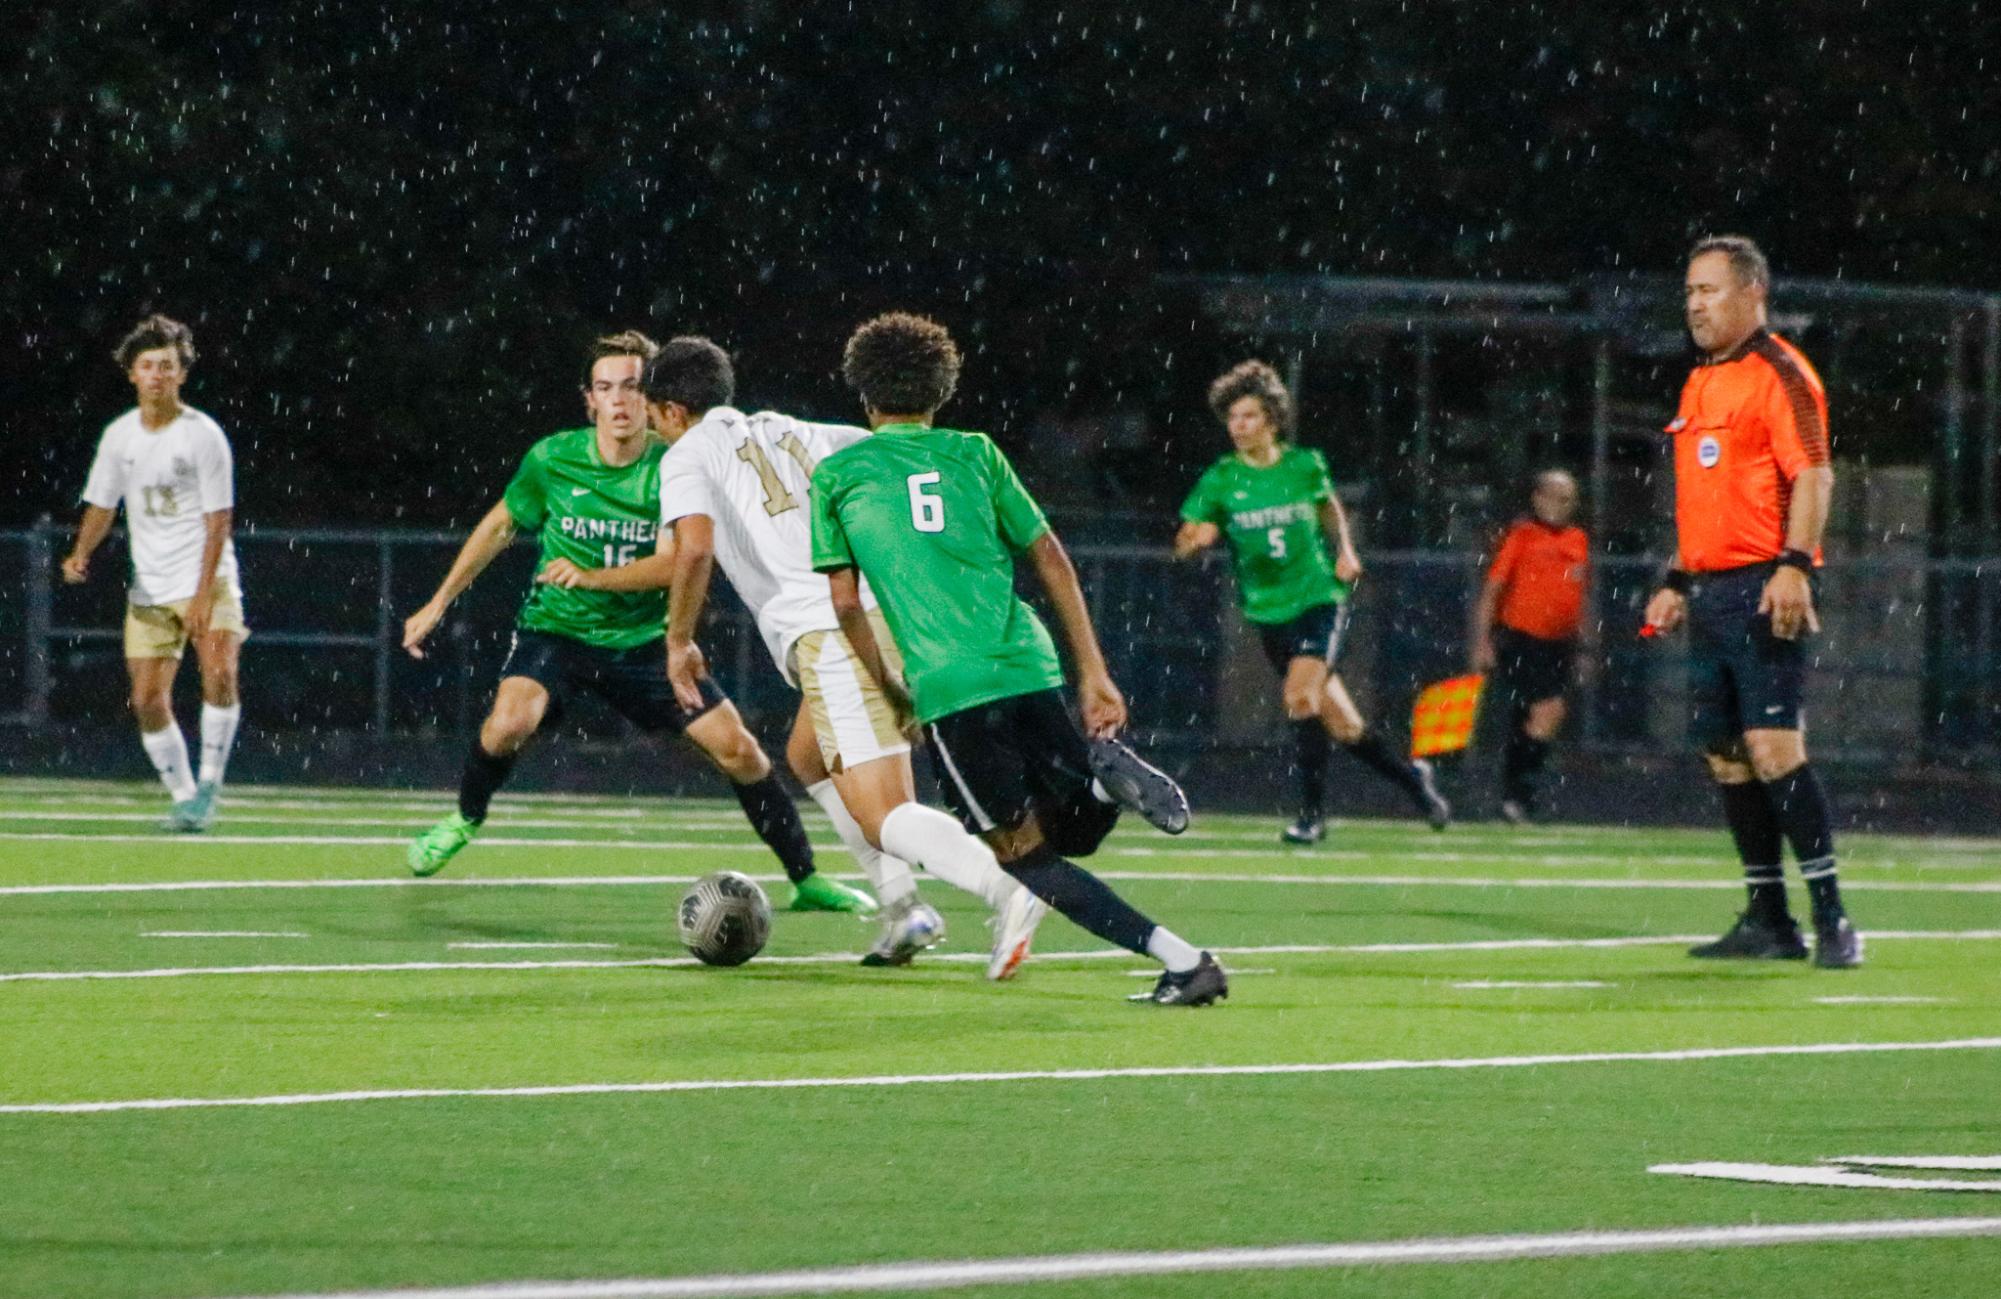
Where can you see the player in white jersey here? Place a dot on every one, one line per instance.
(170, 466)
(732, 487)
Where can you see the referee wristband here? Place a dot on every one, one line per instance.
(1677, 580)
(1796, 559)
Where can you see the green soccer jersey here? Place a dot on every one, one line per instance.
(933, 518)
(596, 516)
(1271, 518)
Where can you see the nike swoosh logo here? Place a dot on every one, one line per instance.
(1775, 708)
(580, 491)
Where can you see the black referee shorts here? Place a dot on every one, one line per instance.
(1741, 677)
(1529, 669)
(633, 681)
(997, 762)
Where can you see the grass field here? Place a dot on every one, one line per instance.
(511, 1073)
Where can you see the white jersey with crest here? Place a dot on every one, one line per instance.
(167, 478)
(751, 474)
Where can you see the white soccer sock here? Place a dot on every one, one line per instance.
(1171, 950)
(941, 845)
(168, 749)
(891, 877)
(218, 735)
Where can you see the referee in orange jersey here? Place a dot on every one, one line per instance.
(1526, 627)
(1752, 485)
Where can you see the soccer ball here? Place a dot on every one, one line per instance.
(725, 918)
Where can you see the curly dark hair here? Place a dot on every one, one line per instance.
(1253, 379)
(901, 364)
(628, 342)
(156, 331)
(692, 371)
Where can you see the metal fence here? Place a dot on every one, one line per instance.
(1906, 670)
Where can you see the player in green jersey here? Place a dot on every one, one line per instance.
(592, 496)
(1274, 503)
(934, 519)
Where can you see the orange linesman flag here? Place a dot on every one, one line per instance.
(1441, 721)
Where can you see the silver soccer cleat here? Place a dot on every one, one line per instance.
(906, 930)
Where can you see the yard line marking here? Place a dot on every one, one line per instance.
(1942, 1163)
(1029, 1269)
(1009, 1076)
(1877, 1001)
(1810, 1175)
(494, 947)
(949, 958)
(222, 933)
(1483, 984)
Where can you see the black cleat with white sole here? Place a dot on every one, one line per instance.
(1200, 986)
(1138, 785)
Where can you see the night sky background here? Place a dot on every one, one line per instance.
(393, 228)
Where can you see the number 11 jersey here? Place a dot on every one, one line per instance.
(934, 518)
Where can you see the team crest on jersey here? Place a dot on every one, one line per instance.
(1708, 452)
(183, 468)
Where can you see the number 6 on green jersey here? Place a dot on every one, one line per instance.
(927, 511)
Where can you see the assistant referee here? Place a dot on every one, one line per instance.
(1752, 486)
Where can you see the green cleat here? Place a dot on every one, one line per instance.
(192, 815)
(432, 850)
(819, 893)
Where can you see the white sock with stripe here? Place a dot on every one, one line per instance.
(890, 876)
(168, 749)
(941, 846)
(218, 736)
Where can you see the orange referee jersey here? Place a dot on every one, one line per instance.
(1541, 570)
(1748, 424)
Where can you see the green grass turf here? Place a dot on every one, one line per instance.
(454, 1191)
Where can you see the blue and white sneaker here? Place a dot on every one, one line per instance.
(906, 930)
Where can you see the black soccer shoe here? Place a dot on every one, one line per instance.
(1753, 938)
(1200, 986)
(1139, 786)
(1308, 829)
(1837, 946)
(1437, 812)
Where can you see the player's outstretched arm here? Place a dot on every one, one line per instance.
(90, 534)
(488, 539)
(1104, 708)
(1194, 538)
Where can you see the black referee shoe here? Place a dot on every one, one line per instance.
(1754, 938)
(1138, 785)
(1836, 946)
(1201, 986)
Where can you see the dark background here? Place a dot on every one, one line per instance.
(392, 230)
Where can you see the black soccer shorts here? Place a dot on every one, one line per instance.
(996, 762)
(1741, 677)
(633, 681)
(1529, 669)
(1316, 633)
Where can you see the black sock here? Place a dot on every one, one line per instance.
(1748, 810)
(1521, 762)
(1310, 748)
(484, 774)
(776, 819)
(1799, 805)
(1373, 753)
(1082, 897)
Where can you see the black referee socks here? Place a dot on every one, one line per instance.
(1748, 810)
(775, 817)
(1082, 897)
(1799, 805)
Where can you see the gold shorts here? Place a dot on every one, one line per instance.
(852, 718)
(159, 631)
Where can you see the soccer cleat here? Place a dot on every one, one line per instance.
(1437, 812)
(1197, 987)
(1014, 929)
(1138, 785)
(432, 850)
(1836, 946)
(1309, 828)
(907, 929)
(1753, 938)
(819, 893)
(1516, 812)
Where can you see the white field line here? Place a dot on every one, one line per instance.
(1720, 884)
(502, 947)
(1942, 1163)
(1809, 1175)
(954, 958)
(223, 933)
(1878, 1001)
(875, 1278)
(1483, 985)
(1011, 1076)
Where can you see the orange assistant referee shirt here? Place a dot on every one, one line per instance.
(1748, 424)
(1541, 571)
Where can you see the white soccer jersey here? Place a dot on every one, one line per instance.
(751, 475)
(167, 478)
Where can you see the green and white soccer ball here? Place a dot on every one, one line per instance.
(725, 918)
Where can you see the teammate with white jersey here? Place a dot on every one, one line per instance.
(169, 465)
(733, 487)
